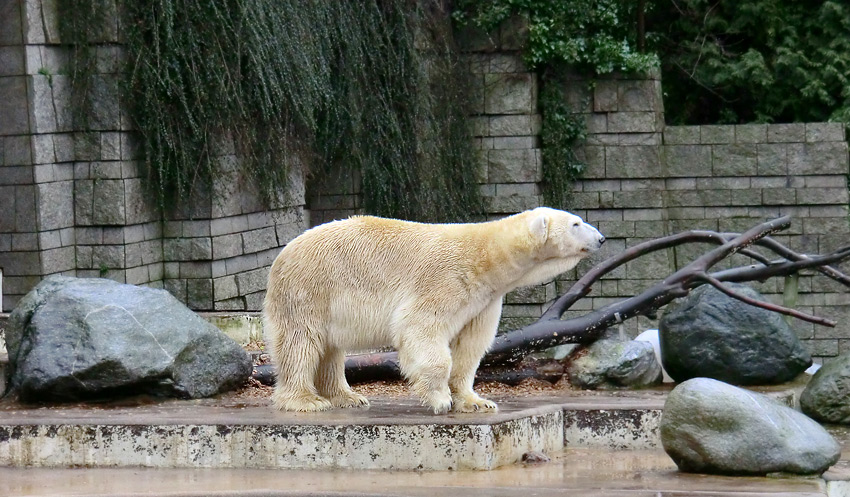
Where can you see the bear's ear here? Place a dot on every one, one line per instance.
(539, 226)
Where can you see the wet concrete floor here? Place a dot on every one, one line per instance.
(258, 411)
(229, 409)
(586, 472)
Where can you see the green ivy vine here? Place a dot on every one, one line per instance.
(561, 131)
(593, 37)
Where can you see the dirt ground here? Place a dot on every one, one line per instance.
(527, 388)
(397, 389)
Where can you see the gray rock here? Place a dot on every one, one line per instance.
(708, 334)
(73, 338)
(712, 427)
(827, 396)
(610, 363)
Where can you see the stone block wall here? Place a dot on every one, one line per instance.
(74, 202)
(646, 180)
(37, 235)
(506, 130)
(729, 178)
(506, 122)
(621, 192)
(336, 197)
(118, 233)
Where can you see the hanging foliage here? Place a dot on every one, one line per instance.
(596, 37)
(372, 86)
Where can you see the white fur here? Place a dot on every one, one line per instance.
(432, 291)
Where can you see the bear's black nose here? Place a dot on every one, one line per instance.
(601, 240)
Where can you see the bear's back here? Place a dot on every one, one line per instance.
(365, 252)
(361, 272)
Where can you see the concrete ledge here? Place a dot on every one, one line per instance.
(243, 327)
(393, 433)
(294, 447)
(182, 434)
(612, 429)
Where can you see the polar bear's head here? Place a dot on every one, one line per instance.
(563, 235)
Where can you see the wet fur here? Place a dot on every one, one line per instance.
(432, 291)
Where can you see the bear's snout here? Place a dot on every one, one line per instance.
(599, 240)
(594, 238)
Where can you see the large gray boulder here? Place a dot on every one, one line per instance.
(711, 427)
(827, 396)
(611, 363)
(73, 338)
(708, 334)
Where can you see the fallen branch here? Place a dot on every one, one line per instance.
(550, 330)
(389, 370)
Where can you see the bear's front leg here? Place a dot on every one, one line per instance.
(467, 349)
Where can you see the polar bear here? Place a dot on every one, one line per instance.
(432, 291)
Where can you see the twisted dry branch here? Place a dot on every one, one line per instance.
(551, 330)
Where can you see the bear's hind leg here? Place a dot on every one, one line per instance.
(426, 362)
(297, 359)
(467, 348)
(331, 382)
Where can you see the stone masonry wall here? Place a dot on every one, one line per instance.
(506, 130)
(37, 235)
(73, 202)
(219, 257)
(645, 180)
(621, 192)
(731, 177)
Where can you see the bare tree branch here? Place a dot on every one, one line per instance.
(752, 254)
(785, 268)
(765, 305)
(783, 251)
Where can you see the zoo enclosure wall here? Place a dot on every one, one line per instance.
(72, 202)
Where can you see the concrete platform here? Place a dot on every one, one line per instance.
(219, 447)
(393, 433)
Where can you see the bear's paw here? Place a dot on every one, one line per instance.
(349, 399)
(473, 403)
(303, 403)
(440, 402)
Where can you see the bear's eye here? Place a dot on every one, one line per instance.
(576, 224)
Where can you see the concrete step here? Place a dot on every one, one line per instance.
(391, 434)
(394, 433)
